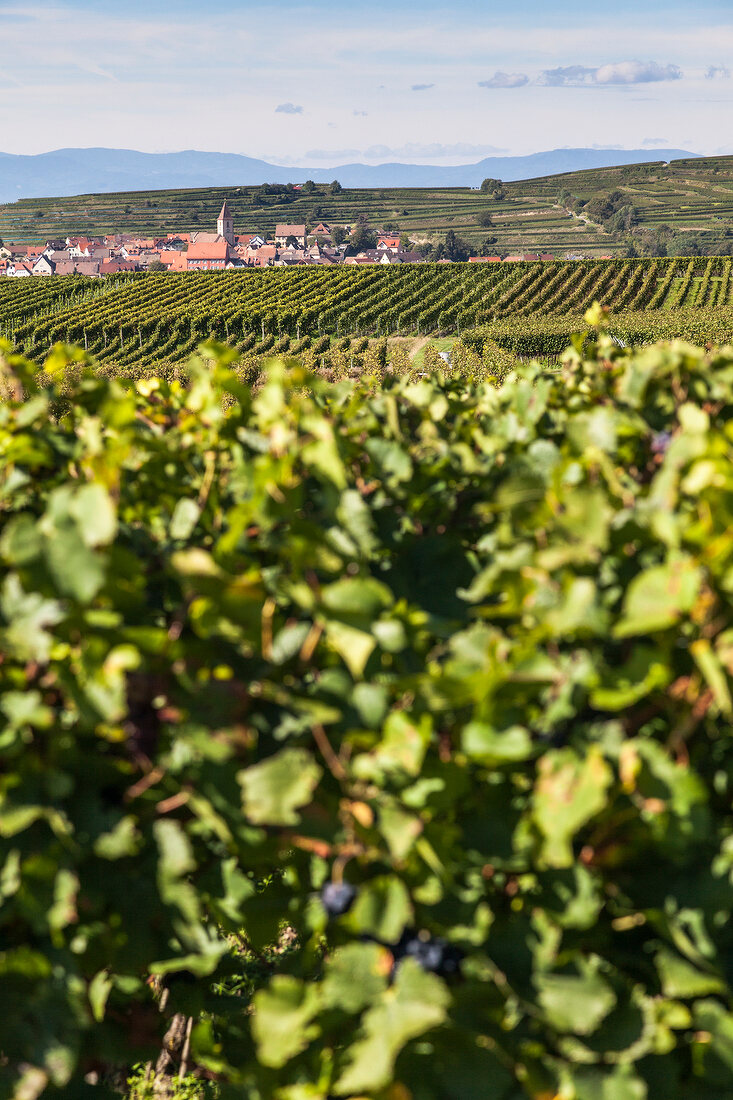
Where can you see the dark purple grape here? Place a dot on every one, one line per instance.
(337, 898)
(427, 954)
(435, 955)
(452, 959)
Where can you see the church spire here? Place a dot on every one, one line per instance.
(225, 224)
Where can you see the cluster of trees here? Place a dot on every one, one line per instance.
(333, 188)
(666, 241)
(453, 248)
(272, 194)
(495, 188)
(613, 211)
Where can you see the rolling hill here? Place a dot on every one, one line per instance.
(688, 202)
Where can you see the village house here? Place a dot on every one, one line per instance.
(173, 260)
(208, 256)
(114, 267)
(264, 256)
(83, 246)
(13, 252)
(389, 257)
(44, 265)
(284, 232)
(322, 232)
(389, 241)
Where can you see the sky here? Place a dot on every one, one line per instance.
(321, 82)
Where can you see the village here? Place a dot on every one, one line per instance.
(295, 245)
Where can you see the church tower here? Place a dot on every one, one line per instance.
(225, 225)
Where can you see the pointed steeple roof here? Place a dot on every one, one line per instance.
(224, 212)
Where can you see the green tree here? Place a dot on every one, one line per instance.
(456, 248)
(362, 236)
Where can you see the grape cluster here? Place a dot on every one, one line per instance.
(433, 954)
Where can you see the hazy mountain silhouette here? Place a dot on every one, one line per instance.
(89, 171)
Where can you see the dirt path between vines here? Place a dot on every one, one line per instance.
(418, 346)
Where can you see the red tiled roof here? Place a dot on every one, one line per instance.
(111, 267)
(218, 250)
(289, 230)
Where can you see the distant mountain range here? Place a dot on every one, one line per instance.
(92, 171)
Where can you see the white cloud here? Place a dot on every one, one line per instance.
(288, 109)
(620, 72)
(717, 72)
(636, 72)
(566, 76)
(505, 80)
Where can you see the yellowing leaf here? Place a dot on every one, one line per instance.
(570, 790)
(275, 789)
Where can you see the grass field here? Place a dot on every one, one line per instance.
(694, 197)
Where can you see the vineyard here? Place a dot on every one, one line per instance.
(153, 318)
(368, 741)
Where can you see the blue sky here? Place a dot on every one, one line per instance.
(326, 82)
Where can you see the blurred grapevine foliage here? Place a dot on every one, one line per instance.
(383, 730)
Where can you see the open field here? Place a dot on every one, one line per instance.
(694, 196)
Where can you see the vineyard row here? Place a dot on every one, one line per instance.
(164, 316)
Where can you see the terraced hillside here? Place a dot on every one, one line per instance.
(684, 197)
(693, 197)
(152, 317)
(519, 223)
